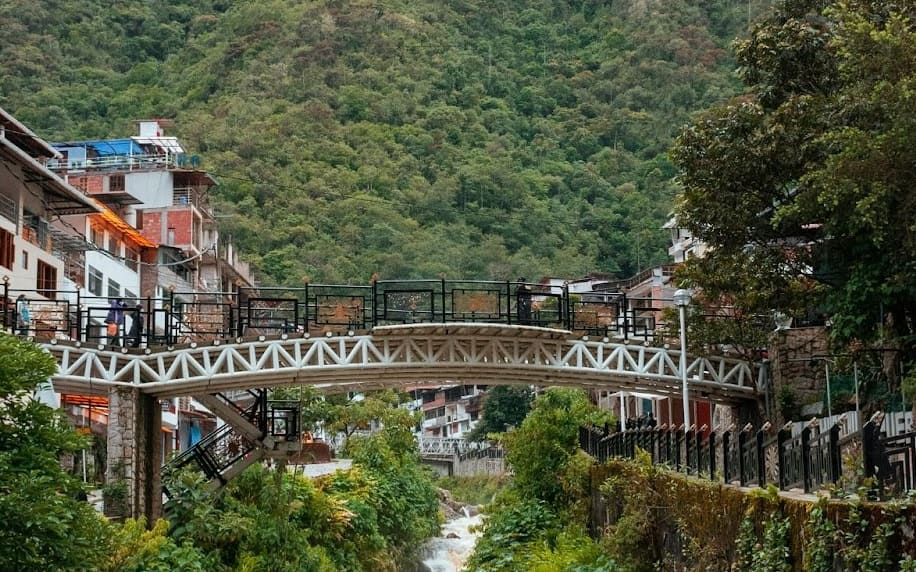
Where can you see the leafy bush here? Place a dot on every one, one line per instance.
(44, 526)
(136, 549)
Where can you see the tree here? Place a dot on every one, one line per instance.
(803, 185)
(542, 448)
(504, 406)
(44, 526)
(349, 415)
(536, 522)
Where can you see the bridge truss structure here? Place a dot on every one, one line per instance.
(402, 356)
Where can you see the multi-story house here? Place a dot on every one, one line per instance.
(684, 245)
(154, 244)
(31, 196)
(161, 196)
(450, 411)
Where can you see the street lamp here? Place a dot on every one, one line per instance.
(682, 300)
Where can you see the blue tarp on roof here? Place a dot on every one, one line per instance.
(105, 148)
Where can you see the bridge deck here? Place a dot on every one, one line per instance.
(399, 356)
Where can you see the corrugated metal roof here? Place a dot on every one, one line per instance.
(114, 220)
(105, 147)
(169, 144)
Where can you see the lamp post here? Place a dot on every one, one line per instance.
(827, 377)
(827, 360)
(682, 300)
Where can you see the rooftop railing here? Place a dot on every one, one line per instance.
(120, 162)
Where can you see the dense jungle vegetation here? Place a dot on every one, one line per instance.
(373, 516)
(475, 138)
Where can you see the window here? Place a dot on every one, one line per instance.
(116, 184)
(131, 258)
(114, 289)
(95, 281)
(47, 280)
(170, 237)
(139, 219)
(81, 183)
(25, 260)
(7, 249)
(96, 236)
(114, 245)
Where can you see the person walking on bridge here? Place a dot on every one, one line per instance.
(115, 321)
(136, 326)
(523, 302)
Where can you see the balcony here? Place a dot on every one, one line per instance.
(119, 163)
(189, 196)
(9, 209)
(36, 231)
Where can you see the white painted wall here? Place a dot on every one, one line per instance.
(114, 269)
(154, 188)
(22, 276)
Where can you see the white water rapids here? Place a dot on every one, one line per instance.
(445, 554)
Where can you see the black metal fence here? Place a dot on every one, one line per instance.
(808, 461)
(181, 317)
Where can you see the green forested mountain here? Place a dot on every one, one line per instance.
(475, 138)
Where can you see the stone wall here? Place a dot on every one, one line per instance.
(133, 484)
(798, 382)
(660, 520)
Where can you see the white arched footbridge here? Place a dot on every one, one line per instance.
(399, 357)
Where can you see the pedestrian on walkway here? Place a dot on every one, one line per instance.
(136, 327)
(23, 317)
(115, 321)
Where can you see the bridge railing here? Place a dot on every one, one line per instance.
(188, 316)
(808, 461)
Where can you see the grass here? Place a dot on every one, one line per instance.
(478, 490)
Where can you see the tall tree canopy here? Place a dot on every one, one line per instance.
(504, 406)
(803, 186)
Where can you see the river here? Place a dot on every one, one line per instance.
(444, 554)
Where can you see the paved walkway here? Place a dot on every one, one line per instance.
(318, 469)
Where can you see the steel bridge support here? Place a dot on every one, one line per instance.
(134, 471)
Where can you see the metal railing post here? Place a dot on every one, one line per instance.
(168, 317)
(742, 472)
(781, 439)
(711, 440)
(687, 447)
(761, 460)
(656, 453)
(149, 325)
(806, 459)
(626, 319)
(834, 454)
(565, 308)
(677, 450)
(443, 301)
(305, 323)
(76, 328)
(375, 304)
(509, 303)
(6, 302)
